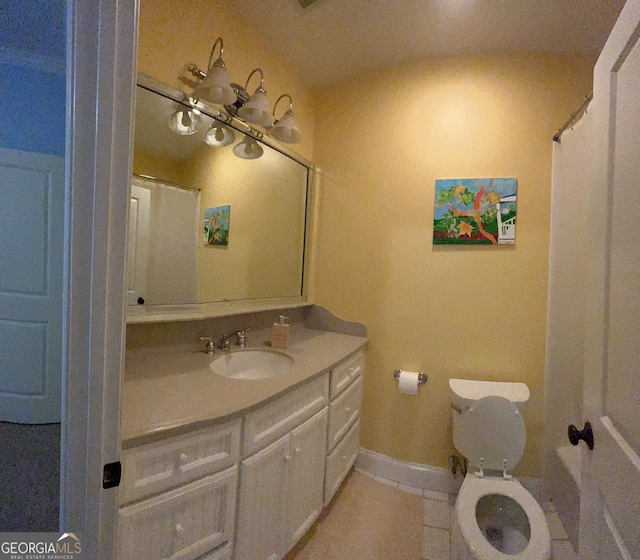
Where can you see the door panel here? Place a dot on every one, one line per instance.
(31, 253)
(306, 475)
(609, 513)
(138, 244)
(262, 510)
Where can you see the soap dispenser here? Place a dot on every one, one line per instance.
(280, 333)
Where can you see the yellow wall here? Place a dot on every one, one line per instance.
(267, 197)
(450, 311)
(174, 33)
(381, 141)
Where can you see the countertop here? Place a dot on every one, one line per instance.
(170, 390)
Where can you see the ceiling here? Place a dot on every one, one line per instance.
(332, 39)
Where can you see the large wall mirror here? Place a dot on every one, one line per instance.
(210, 222)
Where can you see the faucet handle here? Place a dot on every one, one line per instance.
(241, 337)
(209, 347)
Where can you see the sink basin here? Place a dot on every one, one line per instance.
(250, 364)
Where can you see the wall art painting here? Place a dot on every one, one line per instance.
(475, 211)
(216, 225)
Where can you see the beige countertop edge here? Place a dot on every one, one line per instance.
(168, 392)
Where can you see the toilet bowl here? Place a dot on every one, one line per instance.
(496, 518)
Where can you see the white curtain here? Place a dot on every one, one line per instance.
(172, 267)
(568, 271)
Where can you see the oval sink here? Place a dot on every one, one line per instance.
(252, 364)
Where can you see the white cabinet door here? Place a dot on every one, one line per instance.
(182, 524)
(340, 460)
(306, 476)
(263, 490)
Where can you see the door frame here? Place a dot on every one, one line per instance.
(101, 59)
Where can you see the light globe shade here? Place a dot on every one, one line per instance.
(286, 129)
(257, 110)
(185, 121)
(248, 148)
(216, 87)
(219, 135)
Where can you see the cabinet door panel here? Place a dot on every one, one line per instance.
(340, 460)
(343, 412)
(306, 476)
(262, 507)
(182, 524)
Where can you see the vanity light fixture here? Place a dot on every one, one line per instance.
(256, 109)
(286, 129)
(185, 120)
(216, 86)
(248, 148)
(219, 135)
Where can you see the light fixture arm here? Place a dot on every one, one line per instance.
(246, 85)
(279, 98)
(213, 50)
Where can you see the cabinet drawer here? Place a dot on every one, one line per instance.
(182, 524)
(272, 421)
(343, 374)
(155, 467)
(339, 461)
(343, 411)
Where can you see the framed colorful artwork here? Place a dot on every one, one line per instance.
(475, 211)
(216, 225)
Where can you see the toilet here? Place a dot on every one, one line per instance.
(496, 518)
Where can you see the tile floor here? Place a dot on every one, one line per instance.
(438, 509)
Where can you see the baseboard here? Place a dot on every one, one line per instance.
(426, 477)
(415, 475)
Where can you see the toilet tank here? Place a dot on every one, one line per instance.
(464, 392)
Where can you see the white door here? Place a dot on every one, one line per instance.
(610, 493)
(138, 244)
(31, 253)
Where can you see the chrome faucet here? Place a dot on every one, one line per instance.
(241, 337)
(209, 347)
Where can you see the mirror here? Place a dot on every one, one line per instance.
(205, 224)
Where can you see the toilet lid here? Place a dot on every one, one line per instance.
(493, 429)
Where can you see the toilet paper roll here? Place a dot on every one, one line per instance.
(408, 382)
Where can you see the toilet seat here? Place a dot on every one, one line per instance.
(492, 434)
(473, 489)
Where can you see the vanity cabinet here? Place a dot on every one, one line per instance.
(178, 496)
(282, 491)
(247, 489)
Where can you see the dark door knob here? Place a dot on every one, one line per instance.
(586, 434)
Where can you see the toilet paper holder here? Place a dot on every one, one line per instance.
(422, 377)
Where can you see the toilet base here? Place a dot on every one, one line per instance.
(458, 549)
